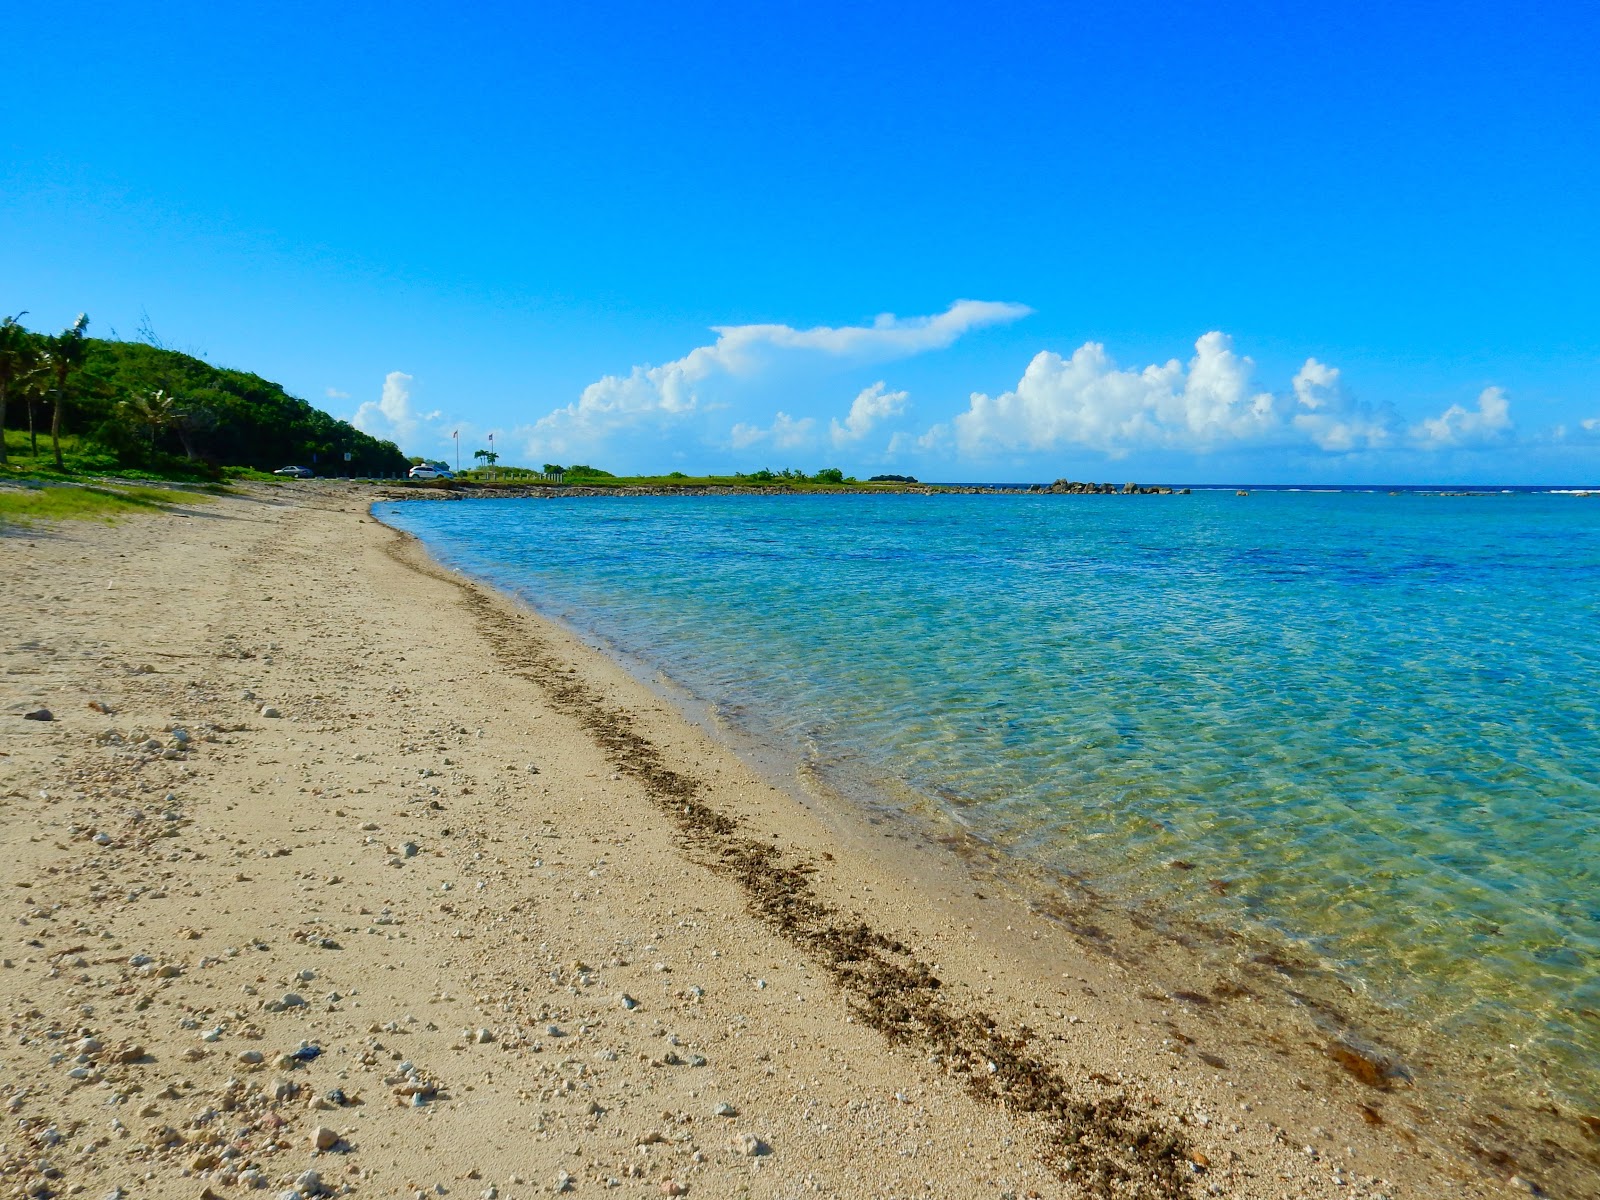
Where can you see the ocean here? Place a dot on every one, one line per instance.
(1360, 727)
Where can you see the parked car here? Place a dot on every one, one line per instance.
(424, 471)
(296, 472)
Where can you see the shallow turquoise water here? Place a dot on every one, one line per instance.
(1377, 717)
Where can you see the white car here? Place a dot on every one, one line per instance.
(424, 471)
(296, 472)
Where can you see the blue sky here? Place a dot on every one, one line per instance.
(1194, 243)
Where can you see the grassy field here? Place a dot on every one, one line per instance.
(27, 506)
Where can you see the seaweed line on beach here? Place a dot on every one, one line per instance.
(1103, 1143)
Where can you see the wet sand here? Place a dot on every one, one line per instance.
(325, 840)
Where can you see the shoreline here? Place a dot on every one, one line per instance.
(413, 702)
(1273, 992)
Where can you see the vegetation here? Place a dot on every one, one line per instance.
(21, 506)
(582, 475)
(134, 408)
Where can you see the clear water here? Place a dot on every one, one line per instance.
(1376, 717)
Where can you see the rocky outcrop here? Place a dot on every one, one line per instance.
(1069, 487)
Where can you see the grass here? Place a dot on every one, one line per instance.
(24, 506)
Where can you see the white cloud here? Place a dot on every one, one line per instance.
(1086, 400)
(871, 405)
(1330, 420)
(1314, 382)
(336, 394)
(785, 433)
(391, 415)
(662, 395)
(1592, 424)
(1457, 426)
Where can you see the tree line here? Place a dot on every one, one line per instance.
(148, 407)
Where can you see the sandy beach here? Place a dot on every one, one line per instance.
(336, 873)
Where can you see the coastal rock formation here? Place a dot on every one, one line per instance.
(1074, 488)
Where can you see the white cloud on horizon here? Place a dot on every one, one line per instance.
(660, 396)
(1487, 424)
(1330, 420)
(871, 406)
(785, 433)
(1087, 401)
(1209, 404)
(336, 394)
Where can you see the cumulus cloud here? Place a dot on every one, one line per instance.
(871, 406)
(785, 433)
(1489, 422)
(1328, 418)
(1087, 400)
(392, 416)
(662, 395)
(1591, 424)
(336, 394)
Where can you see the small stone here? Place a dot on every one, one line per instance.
(131, 1053)
(409, 849)
(563, 1182)
(626, 1001)
(324, 1138)
(724, 1110)
(309, 1183)
(39, 714)
(268, 711)
(251, 1057)
(483, 1037)
(673, 1188)
(749, 1145)
(1524, 1185)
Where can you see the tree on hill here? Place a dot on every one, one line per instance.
(66, 352)
(19, 357)
(155, 410)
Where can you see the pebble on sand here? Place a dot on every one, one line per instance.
(324, 1138)
(39, 714)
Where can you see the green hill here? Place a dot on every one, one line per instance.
(133, 407)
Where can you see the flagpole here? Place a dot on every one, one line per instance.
(457, 436)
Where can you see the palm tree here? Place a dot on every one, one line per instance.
(155, 410)
(18, 355)
(65, 351)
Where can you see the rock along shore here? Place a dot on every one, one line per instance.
(579, 492)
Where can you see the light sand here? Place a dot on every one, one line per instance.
(480, 863)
